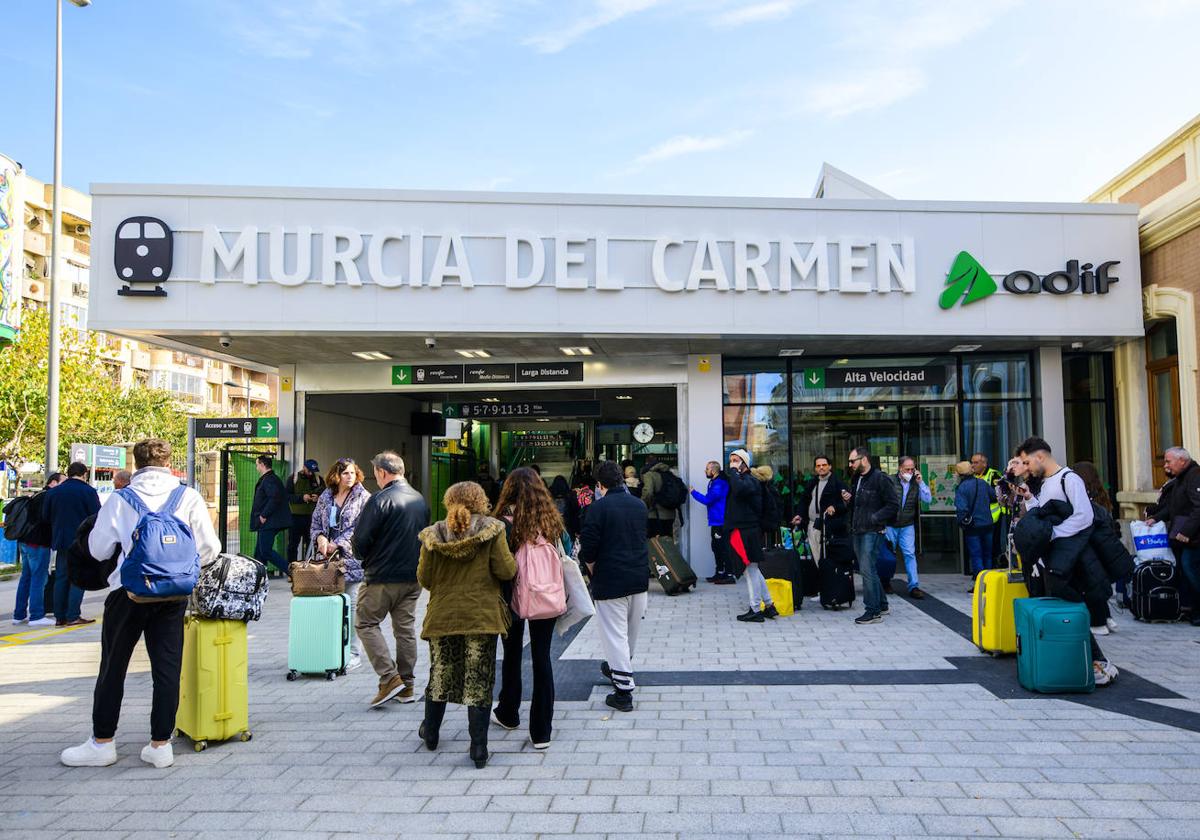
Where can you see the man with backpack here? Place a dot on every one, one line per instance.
(164, 533)
(664, 494)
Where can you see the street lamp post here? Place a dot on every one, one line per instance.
(55, 234)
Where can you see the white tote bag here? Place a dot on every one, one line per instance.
(579, 602)
(1150, 541)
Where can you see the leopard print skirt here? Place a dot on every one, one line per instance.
(462, 669)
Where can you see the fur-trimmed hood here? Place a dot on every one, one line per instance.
(438, 537)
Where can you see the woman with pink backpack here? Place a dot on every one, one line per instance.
(537, 597)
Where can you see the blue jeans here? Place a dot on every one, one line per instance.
(35, 569)
(905, 539)
(1189, 561)
(68, 599)
(979, 549)
(264, 550)
(864, 549)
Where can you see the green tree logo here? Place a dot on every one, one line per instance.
(967, 281)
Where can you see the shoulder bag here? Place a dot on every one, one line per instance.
(319, 575)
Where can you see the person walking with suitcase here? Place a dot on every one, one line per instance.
(873, 505)
(613, 549)
(187, 538)
(743, 510)
(820, 506)
(334, 520)
(386, 544)
(713, 498)
(534, 531)
(464, 561)
(1178, 506)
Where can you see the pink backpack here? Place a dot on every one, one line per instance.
(538, 591)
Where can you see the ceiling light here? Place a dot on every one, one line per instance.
(965, 348)
(792, 351)
(624, 397)
(543, 420)
(841, 361)
(491, 399)
(647, 417)
(576, 351)
(474, 354)
(371, 356)
(1076, 345)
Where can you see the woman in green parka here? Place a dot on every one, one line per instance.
(464, 559)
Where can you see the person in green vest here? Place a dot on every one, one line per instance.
(991, 475)
(303, 489)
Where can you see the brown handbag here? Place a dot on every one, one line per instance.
(319, 576)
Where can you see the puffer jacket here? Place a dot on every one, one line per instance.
(1105, 540)
(464, 573)
(1073, 560)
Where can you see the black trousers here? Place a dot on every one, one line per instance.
(541, 710)
(124, 623)
(301, 525)
(720, 550)
(659, 527)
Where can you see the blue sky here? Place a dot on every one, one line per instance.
(983, 100)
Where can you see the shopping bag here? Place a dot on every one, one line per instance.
(1150, 542)
(579, 602)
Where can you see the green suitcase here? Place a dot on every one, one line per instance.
(318, 635)
(1054, 646)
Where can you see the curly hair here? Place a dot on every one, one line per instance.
(463, 500)
(525, 498)
(334, 477)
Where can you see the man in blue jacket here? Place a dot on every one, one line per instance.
(714, 499)
(65, 508)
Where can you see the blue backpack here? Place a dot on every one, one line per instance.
(162, 563)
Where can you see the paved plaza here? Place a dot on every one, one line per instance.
(807, 726)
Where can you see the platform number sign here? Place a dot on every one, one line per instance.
(142, 255)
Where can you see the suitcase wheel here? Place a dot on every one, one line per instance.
(200, 746)
(291, 675)
(329, 675)
(245, 736)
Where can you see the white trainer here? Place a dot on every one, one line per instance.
(1100, 630)
(1109, 622)
(41, 622)
(17, 622)
(90, 754)
(160, 757)
(353, 663)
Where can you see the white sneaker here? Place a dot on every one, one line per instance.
(1110, 669)
(41, 622)
(1101, 630)
(353, 663)
(1104, 672)
(90, 754)
(540, 745)
(1111, 624)
(160, 757)
(17, 622)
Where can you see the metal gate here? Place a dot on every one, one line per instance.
(237, 480)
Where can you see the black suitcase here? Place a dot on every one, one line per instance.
(784, 564)
(809, 573)
(668, 567)
(837, 573)
(1155, 592)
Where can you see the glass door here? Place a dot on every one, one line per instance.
(929, 433)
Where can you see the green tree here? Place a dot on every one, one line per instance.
(92, 407)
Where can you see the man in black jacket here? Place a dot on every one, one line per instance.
(743, 514)
(613, 547)
(873, 505)
(64, 508)
(822, 508)
(385, 542)
(1178, 506)
(269, 514)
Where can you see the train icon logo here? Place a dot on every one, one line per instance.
(142, 253)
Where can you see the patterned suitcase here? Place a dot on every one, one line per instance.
(214, 699)
(319, 635)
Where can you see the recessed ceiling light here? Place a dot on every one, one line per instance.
(474, 354)
(1076, 345)
(491, 399)
(841, 361)
(624, 397)
(792, 351)
(965, 348)
(543, 420)
(576, 351)
(647, 417)
(371, 355)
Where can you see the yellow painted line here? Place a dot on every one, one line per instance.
(30, 636)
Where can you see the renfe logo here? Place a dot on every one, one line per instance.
(142, 253)
(968, 281)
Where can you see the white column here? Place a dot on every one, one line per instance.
(291, 426)
(1133, 428)
(1054, 412)
(701, 440)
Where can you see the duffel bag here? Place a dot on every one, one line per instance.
(233, 586)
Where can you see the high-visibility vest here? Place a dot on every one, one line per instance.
(992, 476)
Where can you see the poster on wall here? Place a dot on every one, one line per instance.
(12, 263)
(938, 471)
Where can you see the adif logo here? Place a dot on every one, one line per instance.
(968, 281)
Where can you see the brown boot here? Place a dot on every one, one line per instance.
(388, 690)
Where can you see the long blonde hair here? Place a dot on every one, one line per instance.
(463, 500)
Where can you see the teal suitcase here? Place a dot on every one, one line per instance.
(1054, 646)
(318, 635)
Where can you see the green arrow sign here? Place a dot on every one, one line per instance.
(814, 378)
(267, 427)
(402, 375)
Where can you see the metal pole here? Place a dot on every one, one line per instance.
(55, 233)
(191, 452)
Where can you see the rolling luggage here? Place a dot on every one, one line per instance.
(319, 636)
(214, 695)
(810, 576)
(783, 595)
(837, 572)
(993, 621)
(1155, 592)
(1054, 646)
(783, 564)
(668, 566)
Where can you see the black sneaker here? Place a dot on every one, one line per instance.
(869, 618)
(725, 580)
(884, 610)
(770, 612)
(752, 615)
(622, 701)
(713, 578)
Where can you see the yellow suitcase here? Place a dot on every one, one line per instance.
(993, 620)
(214, 698)
(781, 594)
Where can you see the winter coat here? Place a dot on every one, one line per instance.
(464, 573)
(652, 485)
(385, 539)
(714, 499)
(614, 541)
(343, 535)
(270, 503)
(973, 498)
(1178, 506)
(1105, 540)
(874, 503)
(300, 485)
(832, 497)
(743, 507)
(65, 507)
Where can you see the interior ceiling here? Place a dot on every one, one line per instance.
(291, 348)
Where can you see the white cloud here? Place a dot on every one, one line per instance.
(687, 144)
(605, 12)
(755, 13)
(863, 91)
